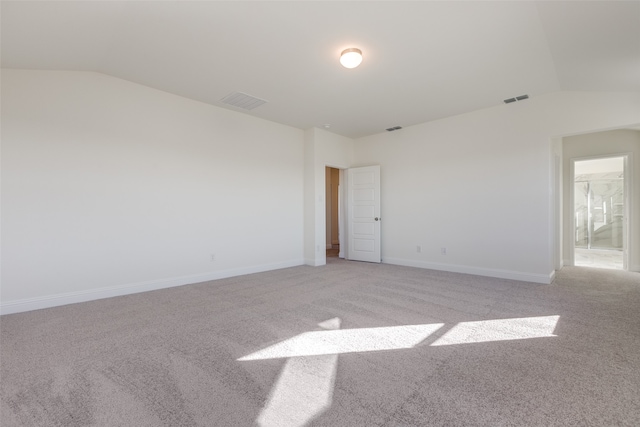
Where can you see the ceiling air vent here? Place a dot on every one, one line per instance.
(242, 100)
(394, 128)
(517, 98)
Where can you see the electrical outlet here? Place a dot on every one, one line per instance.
(418, 248)
(443, 251)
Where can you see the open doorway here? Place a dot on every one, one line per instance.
(599, 204)
(332, 197)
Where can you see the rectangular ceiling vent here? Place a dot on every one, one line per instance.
(517, 98)
(242, 100)
(394, 128)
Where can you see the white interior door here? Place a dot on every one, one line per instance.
(364, 213)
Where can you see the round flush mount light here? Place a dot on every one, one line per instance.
(351, 58)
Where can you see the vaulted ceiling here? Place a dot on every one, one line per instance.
(423, 60)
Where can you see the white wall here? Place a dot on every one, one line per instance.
(109, 187)
(603, 144)
(311, 199)
(481, 184)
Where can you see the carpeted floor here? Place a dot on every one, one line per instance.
(338, 351)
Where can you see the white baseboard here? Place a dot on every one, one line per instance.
(479, 271)
(49, 301)
(315, 262)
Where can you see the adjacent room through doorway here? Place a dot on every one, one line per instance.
(599, 211)
(332, 176)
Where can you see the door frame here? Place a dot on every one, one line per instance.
(342, 209)
(627, 188)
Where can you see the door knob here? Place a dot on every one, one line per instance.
(377, 219)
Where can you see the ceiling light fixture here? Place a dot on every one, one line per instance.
(351, 58)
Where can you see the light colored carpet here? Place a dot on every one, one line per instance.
(332, 346)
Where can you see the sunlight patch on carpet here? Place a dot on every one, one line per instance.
(499, 330)
(347, 341)
(302, 392)
(304, 389)
(340, 341)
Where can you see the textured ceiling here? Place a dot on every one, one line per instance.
(423, 60)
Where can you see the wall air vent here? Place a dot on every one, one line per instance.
(394, 128)
(517, 98)
(242, 100)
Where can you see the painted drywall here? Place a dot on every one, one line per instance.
(481, 184)
(621, 141)
(111, 187)
(322, 149)
(311, 199)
